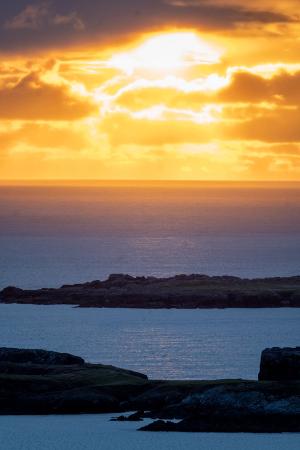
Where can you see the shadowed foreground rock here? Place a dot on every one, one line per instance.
(53, 383)
(234, 406)
(256, 423)
(42, 382)
(280, 364)
(180, 291)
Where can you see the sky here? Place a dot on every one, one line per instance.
(150, 89)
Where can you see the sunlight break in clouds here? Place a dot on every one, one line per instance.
(166, 52)
(198, 90)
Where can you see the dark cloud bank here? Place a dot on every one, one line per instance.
(27, 25)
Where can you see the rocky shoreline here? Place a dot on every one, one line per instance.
(42, 382)
(180, 291)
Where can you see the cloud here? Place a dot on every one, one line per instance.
(251, 108)
(236, 12)
(39, 15)
(69, 19)
(237, 118)
(245, 86)
(31, 98)
(31, 17)
(279, 126)
(244, 93)
(74, 150)
(123, 129)
(273, 127)
(118, 20)
(45, 136)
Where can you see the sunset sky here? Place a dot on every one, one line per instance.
(150, 89)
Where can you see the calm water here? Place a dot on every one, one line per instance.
(174, 344)
(96, 432)
(64, 234)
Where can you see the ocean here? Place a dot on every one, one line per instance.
(97, 432)
(174, 344)
(164, 344)
(69, 233)
(75, 232)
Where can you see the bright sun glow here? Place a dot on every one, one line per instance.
(170, 51)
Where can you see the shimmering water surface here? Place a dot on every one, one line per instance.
(164, 344)
(50, 235)
(174, 344)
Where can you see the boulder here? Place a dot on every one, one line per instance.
(280, 364)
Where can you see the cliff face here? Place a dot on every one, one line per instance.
(181, 291)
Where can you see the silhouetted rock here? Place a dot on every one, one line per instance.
(21, 356)
(280, 364)
(180, 291)
(12, 292)
(242, 423)
(42, 382)
(160, 425)
(135, 417)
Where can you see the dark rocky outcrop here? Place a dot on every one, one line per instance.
(280, 364)
(21, 356)
(135, 417)
(180, 291)
(258, 423)
(270, 406)
(42, 382)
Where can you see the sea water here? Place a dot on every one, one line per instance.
(162, 343)
(172, 344)
(50, 235)
(98, 433)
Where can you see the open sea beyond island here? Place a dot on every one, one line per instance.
(77, 233)
(56, 234)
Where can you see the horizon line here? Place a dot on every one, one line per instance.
(138, 180)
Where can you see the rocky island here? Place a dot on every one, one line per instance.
(180, 291)
(43, 382)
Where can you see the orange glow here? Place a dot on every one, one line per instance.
(168, 105)
(166, 52)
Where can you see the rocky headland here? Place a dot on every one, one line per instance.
(41, 382)
(180, 291)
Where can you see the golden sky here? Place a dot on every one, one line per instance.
(160, 89)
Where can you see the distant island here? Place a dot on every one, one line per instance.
(46, 382)
(180, 291)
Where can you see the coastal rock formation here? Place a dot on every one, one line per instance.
(54, 383)
(180, 291)
(42, 382)
(21, 356)
(232, 406)
(280, 364)
(270, 423)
